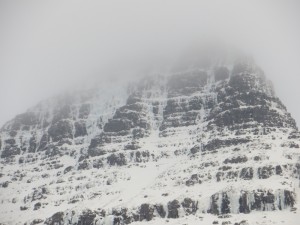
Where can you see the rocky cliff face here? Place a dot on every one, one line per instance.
(209, 142)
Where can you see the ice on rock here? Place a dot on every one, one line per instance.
(206, 143)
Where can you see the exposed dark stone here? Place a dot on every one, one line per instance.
(293, 145)
(195, 149)
(294, 135)
(173, 209)
(224, 168)
(5, 184)
(64, 141)
(195, 103)
(184, 111)
(239, 159)
(52, 151)
(84, 165)
(217, 143)
(87, 218)
(189, 206)
(176, 106)
(10, 151)
(257, 158)
(247, 89)
(117, 125)
(243, 106)
(32, 145)
(269, 198)
(160, 210)
(37, 206)
(225, 205)
(97, 163)
(95, 142)
(178, 113)
(36, 221)
(80, 129)
(23, 208)
(265, 172)
(289, 198)
(128, 119)
(243, 222)
(56, 219)
(60, 130)
(10, 141)
(241, 118)
(43, 143)
(134, 113)
(116, 159)
(138, 133)
(247, 173)
(278, 170)
(258, 201)
(243, 203)
(193, 180)
(263, 201)
(82, 157)
(219, 175)
(140, 156)
(132, 146)
(146, 212)
(123, 216)
(57, 166)
(95, 147)
(214, 206)
(118, 220)
(13, 133)
(68, 169)
(38, 194)
(242, 82)
(290, 144)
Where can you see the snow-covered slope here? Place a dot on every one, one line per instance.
(206, 142)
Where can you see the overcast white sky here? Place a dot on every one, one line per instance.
(49, 46)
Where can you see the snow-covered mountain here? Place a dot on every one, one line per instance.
(207, 142)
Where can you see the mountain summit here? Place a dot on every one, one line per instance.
(205, 142)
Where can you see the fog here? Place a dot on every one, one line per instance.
(47, 47)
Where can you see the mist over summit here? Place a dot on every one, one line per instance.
(205, 139)
(153, 112)
(47, 48)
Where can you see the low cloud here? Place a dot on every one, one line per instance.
(48, 47)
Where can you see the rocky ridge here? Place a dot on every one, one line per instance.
(209, 140)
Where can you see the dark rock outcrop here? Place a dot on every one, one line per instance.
(86, 218)
(189, 206)
(173, 207)
(61, 130)
(80, 129)
(56, 219)
(246, 173)
(116, 159)
(146, 212)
